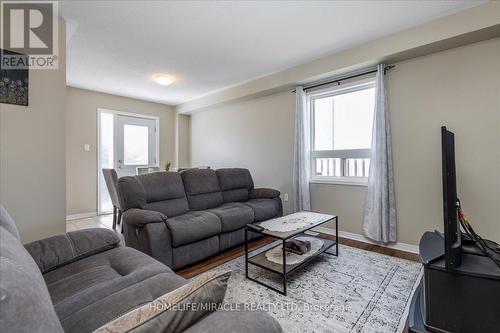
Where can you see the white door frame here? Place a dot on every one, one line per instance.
(123, 113)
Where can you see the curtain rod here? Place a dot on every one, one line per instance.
(386, 68)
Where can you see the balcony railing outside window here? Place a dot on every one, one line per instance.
(342, 120)
(342, 167)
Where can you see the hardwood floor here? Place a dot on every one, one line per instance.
(229, 255)
(379, 249)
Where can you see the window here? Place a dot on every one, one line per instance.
(135, 145)
(342, 119)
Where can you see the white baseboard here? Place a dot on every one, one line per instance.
(350, 235)
(80, 216)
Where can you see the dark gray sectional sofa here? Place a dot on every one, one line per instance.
(82, 280)
(182, 218)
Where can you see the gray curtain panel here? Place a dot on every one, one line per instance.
(301, 154)
(379, 221)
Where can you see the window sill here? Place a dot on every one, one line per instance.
(340, 181)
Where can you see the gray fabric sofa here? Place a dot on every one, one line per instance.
(182, 218)
(79, 281)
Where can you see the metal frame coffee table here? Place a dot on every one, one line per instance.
(283, 269)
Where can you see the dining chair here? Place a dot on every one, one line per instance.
(111, 179)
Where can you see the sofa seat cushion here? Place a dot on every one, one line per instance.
(193, 226)
(233, 216)
(93, 291)
(264, 209)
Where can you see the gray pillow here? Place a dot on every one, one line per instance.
(177, 310)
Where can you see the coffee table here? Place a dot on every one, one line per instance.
(260, 260)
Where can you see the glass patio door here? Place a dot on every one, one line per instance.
(135, 144)
(126, 142)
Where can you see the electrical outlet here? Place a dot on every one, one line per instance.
(285, 197)
(86, 147)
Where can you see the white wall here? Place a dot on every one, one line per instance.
(459, 88)
(183, 137)
(32, 153)
(81, 128)
(255, 135)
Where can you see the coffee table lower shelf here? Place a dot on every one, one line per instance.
(261, 261)
(283, 269)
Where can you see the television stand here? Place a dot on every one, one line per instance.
(464, 299)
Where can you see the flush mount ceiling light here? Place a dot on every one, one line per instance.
(164, 79)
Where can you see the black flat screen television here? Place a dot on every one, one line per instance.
(452, 236)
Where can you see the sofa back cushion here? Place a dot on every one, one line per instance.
(159, 191)
(235, 184)
(25, 304)
(202, 189)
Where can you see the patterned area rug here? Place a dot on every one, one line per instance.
(359, 291)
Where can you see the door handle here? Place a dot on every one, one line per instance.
(120, 164)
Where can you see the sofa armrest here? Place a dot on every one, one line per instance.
(263, 193)
(56, 251)
(154, 239)
(139, 217)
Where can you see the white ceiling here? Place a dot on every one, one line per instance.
(115, 47)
